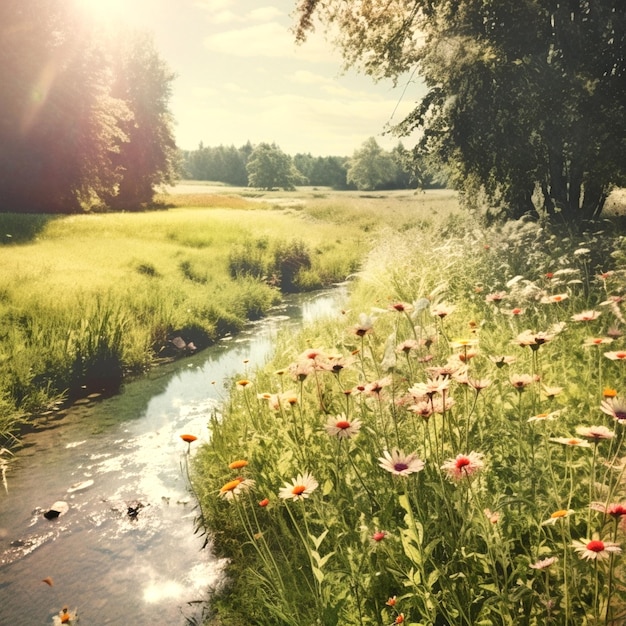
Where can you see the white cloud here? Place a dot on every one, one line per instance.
(264, 14)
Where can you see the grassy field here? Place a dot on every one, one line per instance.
(86, 300)
(448, 451)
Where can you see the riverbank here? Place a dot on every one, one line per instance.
(87, 300)
(450, 450)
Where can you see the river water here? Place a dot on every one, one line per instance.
(100, 458)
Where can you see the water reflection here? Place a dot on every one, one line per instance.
(105, 460)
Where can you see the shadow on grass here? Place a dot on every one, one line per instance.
(22, 227)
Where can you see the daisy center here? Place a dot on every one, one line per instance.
(462, 462)
(595, 545)
(343, 424)
(298, 490)
(400, 467)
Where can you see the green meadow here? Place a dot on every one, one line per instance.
(447, 450)
(88, 300)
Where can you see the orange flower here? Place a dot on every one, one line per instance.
(243, 383)
(238, 464)
(391, 601)
(188, 438)
(263, 503)
(608, 392)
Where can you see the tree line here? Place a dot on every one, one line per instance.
(84, 114)
(266, 166)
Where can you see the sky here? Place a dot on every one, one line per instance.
(240, 77)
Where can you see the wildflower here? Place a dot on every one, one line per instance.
(616, 510)
(401, 307)
(595, 433)
(430, 387)
(596, 341)
(301, 369)
(620, 355)
(515, 312)
(442, 310)
(391, 601)
(614, 332)
(556, 516)
(375, 387)
(582, 251)
(342, 428)
(555, 298)
(479, 383)
(379, 535)
(493, 517)
(263, 503)
(609, 392)
(533, 339)
(238, 464)
(407, 345)
(463, 466)
(399, 619)
(595, 549)
(614, 407)
(521, 381)
(300, 487)
(188, 438)
(243, 383)
(544, 563)
(400, 464)
(66, 617)
(464, 343)
(551, 392)
(364, 326)
(273, 399)
(496, 296)
(571, 441)
(423, 409)
(234, 487)
(543, 417)
(586, 316)
(501, 361)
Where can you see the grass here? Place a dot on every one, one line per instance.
(448, 451)
(87, 300)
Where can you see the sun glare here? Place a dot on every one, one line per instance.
(102, 10)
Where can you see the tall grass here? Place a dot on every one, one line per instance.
(449, 451)
(87, 300)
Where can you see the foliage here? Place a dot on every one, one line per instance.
(269, 167)
(371, 167)
(225, 164)
(525, 100)
(66, 120)
(488, 356)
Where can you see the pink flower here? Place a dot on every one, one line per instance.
(544, 563)
(400, 464)
(619, 355)
(342, 428)
(595, 433)
(379, 535)
(614, 407)
(463, 466)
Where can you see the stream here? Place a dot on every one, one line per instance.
(125, 551)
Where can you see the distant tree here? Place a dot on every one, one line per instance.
(371, 167)
(269, 167)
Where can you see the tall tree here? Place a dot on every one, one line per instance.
(148, 156)
(526, 98)
(66, 129)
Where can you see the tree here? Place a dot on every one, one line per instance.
(526, 99)
(66, 130)
(269, 167)
(147, 157)
(371, 167)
